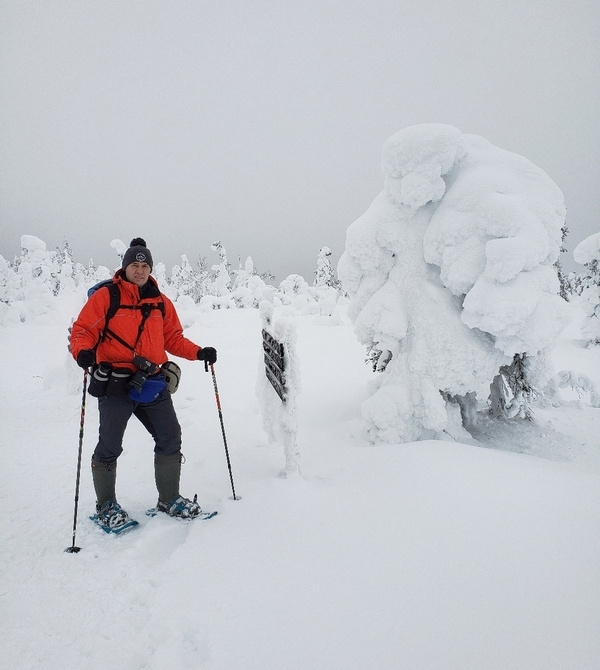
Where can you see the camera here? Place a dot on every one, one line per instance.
(145, 368)
(137, 381)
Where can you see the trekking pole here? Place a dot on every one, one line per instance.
(214, 378)
(73, 549)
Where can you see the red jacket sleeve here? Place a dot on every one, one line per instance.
(89, 325)
(175, 342)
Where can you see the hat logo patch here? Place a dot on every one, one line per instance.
(140, 257)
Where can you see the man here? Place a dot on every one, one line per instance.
(125, 353)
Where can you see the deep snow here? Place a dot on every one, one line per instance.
(428, 555)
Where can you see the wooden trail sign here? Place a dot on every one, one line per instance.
(274, 354)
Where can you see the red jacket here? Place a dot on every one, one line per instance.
(161, 334)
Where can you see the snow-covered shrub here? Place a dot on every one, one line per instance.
(294, 292)
(249, 288)
(298, 297)
(326, 299)
(186, 310)
(32, 281)
(210, 302)
(516, 386)
(450, 274)
(587, 253)
(577, 382)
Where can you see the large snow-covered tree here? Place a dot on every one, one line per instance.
(451, 278)
(587, 253)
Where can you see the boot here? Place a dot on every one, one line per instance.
(112, 516)
(167, 471)
(105, 477)
(109, 512)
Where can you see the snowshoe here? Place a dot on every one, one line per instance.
(153, 511)
(180, 507)
(112, 518)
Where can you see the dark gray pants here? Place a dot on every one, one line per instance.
(158, 418)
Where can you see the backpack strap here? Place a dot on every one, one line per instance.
(115, 305)
(115, 299)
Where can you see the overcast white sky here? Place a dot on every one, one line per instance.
(261, 123)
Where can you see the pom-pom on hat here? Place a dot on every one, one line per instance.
(137, 253)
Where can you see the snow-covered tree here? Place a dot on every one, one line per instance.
(120, 247)
(160, 274)
(565, 288)
(214, 287)
(325, 273)
(222, 282)
(66, 269)
(450, 274)
(9, 287)
(587, 253)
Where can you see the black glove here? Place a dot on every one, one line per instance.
(208, 355)
(86, 358)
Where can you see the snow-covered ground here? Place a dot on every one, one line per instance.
(426, 555)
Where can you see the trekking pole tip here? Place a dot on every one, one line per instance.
(72, 550)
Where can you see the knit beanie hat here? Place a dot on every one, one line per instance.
(137, 253)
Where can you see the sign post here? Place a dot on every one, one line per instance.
(278, 386)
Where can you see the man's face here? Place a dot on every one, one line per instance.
(138, 273)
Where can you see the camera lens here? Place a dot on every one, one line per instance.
(102, 372)
(137, 381)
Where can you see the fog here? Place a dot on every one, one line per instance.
(261, 124)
